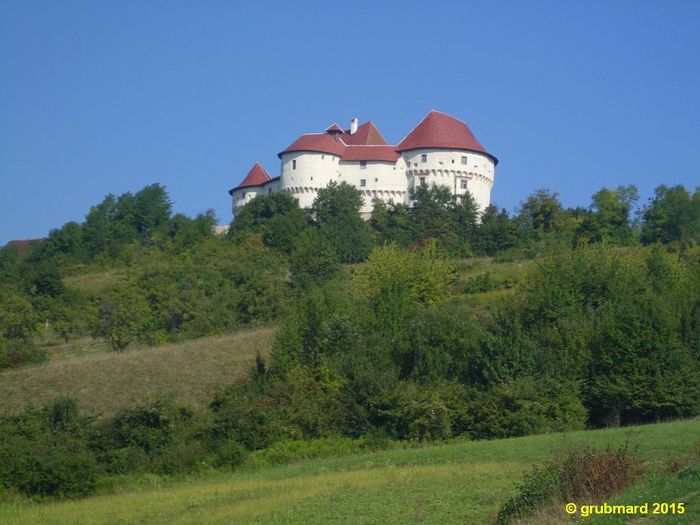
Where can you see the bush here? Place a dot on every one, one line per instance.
(47, 466)
(229, 454)
(580, 474)
(179, 457)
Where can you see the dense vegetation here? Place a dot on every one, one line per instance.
(606, 331)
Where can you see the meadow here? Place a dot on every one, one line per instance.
(460, 482)
(103, 382)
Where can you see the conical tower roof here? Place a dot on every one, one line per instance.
(439, 130)
(257, 176)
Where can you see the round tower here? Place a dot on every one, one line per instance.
(442, 150)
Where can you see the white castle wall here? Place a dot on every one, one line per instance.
(313, 172)
(383, 180)
(444, 167)
(243, 196)
(387, 181)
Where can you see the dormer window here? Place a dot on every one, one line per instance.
(363, 164)
(424, 157)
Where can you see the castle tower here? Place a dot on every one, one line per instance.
(442, 150)
(257, 182)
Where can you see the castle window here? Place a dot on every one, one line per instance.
(464, 161)
(422, 181)
(376, 180)
(463, 184)
(243, 195)
(323, 156)
(363, 164)
(294, 164)
(424, 157)
(269, 191)
(363, 182)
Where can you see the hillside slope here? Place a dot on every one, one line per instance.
(104, 382)
(461, 483)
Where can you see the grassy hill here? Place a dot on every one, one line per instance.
(190, 372)
(456, 483)
(103, 382)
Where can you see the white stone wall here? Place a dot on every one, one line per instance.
(242, 196)
(444, 167)
(313, 172)
(383, 180)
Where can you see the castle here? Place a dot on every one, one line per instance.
(440, 150)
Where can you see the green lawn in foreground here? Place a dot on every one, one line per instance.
(461, 483)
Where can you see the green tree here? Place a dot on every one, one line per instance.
(609, 217)
(542, 213)
(276, 217)
(125, 318)
(395, 281)
(671, 215)
(496, 232)
(336, 212)
(431, 215)
(391, 223)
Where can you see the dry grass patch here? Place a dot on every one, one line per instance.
(103, 383)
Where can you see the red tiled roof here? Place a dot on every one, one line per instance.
(334, 128)
(319, 142)
(381, 153)
(366, 135)
(22, 245)
(257, 176)
(436, 130)
(439, 130)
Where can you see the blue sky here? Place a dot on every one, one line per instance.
(107, 97)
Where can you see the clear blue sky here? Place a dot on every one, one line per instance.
(106, 97)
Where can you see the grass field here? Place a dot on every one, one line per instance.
(103, 382)
(461, 483)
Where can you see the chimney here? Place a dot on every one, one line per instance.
(353, 125)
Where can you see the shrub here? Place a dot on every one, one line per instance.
(229, 454)
(580, 474)
(179, 457)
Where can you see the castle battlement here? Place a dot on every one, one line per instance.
(440, 150)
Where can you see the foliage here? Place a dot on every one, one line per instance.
(395, 280)
(336, 213)
(582, 475)
(125, 318)
(672, 215)
(277, 218)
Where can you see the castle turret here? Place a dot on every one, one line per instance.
(442, 150)
(257, 182)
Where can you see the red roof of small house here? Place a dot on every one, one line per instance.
(380, 153)
(22, 245)
(439, 130)
(257, 176)
(366, 135)
(318, 142)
